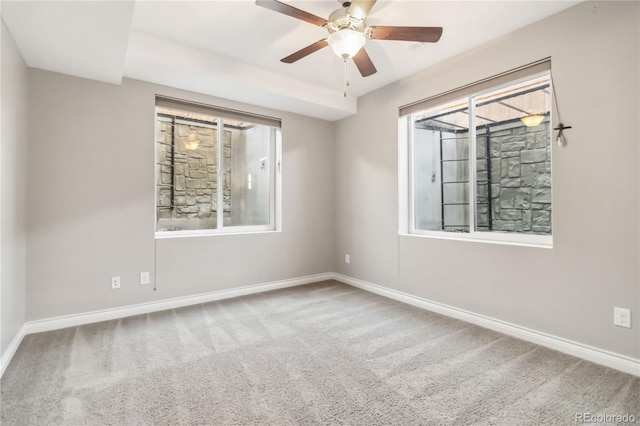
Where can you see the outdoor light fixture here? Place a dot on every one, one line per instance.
(192, 142)
(560, 137)
(346, 43)
(532, 120)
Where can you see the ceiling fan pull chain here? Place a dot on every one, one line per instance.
(346, 77)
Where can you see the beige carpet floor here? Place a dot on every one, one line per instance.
(324, 353)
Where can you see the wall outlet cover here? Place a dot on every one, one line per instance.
(622, 317)
(115, 283)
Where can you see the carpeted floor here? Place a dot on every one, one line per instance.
(324, 353)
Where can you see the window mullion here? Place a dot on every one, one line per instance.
(472, 164)
(410, 167)
(271, 167)
(277, 224)
(220, 175)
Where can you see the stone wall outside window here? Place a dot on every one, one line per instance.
(194, 180)
(520, 178)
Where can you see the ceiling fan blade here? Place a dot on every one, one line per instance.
(305, 51)
(364, 64)
(423, 34)
(285, 9)
(359, 9)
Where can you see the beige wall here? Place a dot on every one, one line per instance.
(91, 195)
(91, 203)
(569, 291)
(13, 154)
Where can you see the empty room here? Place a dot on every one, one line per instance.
(298, 212)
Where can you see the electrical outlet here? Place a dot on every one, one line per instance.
(347, 258)
(622, 317)
(115, 283)
(144, 278)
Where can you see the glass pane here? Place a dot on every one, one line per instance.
(186, 170)
(456, 217)
(249, 174)
(513, 159)
(441, 168)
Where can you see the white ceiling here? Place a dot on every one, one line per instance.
(232, 49)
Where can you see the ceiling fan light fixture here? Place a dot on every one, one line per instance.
(346, 43)
(532, 120)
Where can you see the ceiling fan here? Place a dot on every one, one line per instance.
(348, 32)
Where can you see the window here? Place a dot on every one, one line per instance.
(478, 160)
(216, 170)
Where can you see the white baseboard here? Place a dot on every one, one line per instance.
(590, 353)
(56, 323)
(11, 350)
(598, 356)
(145, 308)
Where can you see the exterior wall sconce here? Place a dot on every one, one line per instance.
(192, 142)
(532, 120)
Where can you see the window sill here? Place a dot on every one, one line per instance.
(161, 235)
(536, 241)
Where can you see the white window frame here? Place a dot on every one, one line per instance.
(406, 205)
(275, 187)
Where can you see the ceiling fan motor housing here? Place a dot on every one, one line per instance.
(340, 20)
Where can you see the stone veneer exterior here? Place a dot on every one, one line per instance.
(520, 163)
(195, 177)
